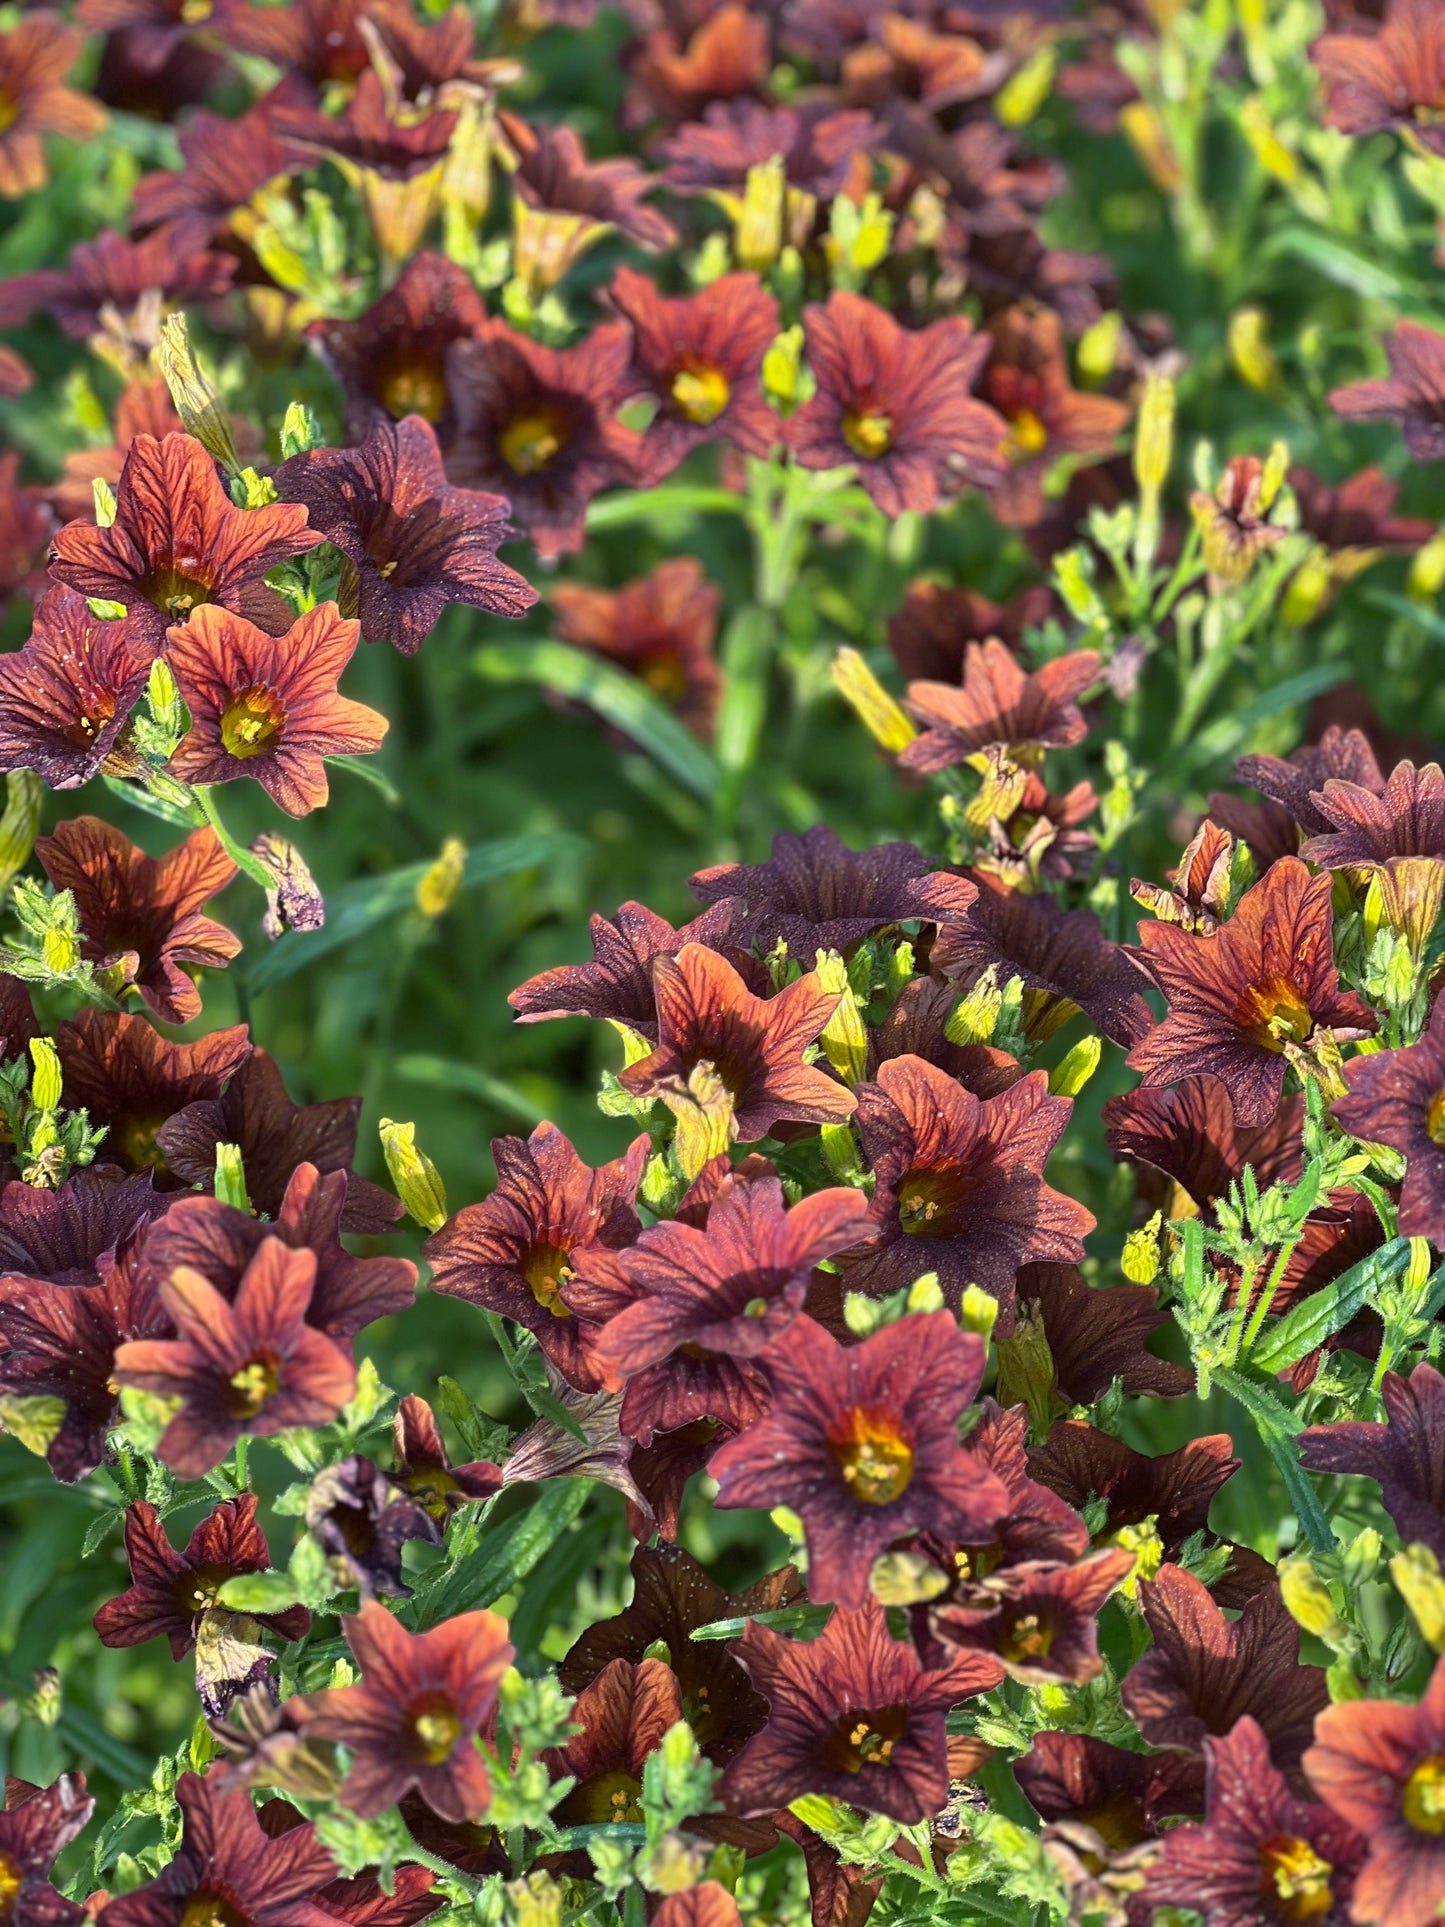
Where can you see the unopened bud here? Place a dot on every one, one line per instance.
(1406, 897)
(1026, 89)
(203, 414)
(1146, 133)
(45, 1085)
(1417, 1577)
(840, 1153)
(978, 1311)
(1307, 588)
(1249, 350)
(1098, 348)
(19, 823)
(782, 369)
(703, 1108)
(230, 1180)
(1026, 1371)
(1252, 118)
(975, 1016)
(925, 1295)
(1072, 1072)
(43, 1703)
(906, 1579)
(437, 890)
(293, 901)
(1427, 569)
(1141, 1260)
(60, 949)
(1308, 1600)
(879, 713)
(103, 495)
(1154, 436)
(1144, 1542)
(758, 221)
(300, 431)
(844, 1038)
(536, 1900)
(417, 1180)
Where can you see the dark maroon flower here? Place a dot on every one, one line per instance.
(895, 404)
(1036, 1529)
(320, 40)
(34, 1831)
(999, 706)
(368, 135)
(1066, 962)
(227, 1868)
(1397, 1097)
(727, 56)
(131, 1079)
(1413, 393)
(413, 1720)
(170, 1590)
(1037, 1618)
(67, 695)
(563, 203)
(623, 1714)
(70, 1236)
(392, 359)
(424, 1467)
(1027, 381)
(1345, 754)
(903, 62)
(1393, 78)
(1189, 1133)
(1405, 1456)
(415, 542)
(1355, 518)
(960, 1189)
(853, 1715)
(814, 893)
(701, 355)
(178, 544)
(276, 1138)
(661, 627)
(1205, 1673)
(35, 57)
(1262, 1857)
(517, 1250)
(1380, 1765)
(1122, 1796)
(1370, 827)
(248, 1364)
(915, 1025)
(27, 522)
(1096, 1334)
(224, 164)
(361, 1520)
(617, 983)
(816, 144)
(114, 276)
(862, 1443)
(931, 632)
(539, 425)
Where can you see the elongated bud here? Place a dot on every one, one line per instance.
(880, 715)
(60, 945)
(19, 823)
(1141, 1260)
(1307, 588)
(1072, 1073)
(906, 1579)
(1252, 118)
(1308, 1600)
(202, 412)
(840, 1153)
(1417, 1577)
(978, 1311)
(417, 1180)
(844, 1038)
(1146, 133)
(300, 431)
(925, 1294)
(230, 1182)
(1154, 437)
(758, 223)
(782, 369)
(1250, 351)
(703, 1107)
(1406, 897)
(975, 1016)
(103, 496)
(1025, 91)
(45, 1085)
(1427, 569)
(1098, 348)
(1026, 1371)
(437, 890)
(166, 707)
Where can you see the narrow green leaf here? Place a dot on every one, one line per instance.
(615, 511)
(1222, 737)
(804, 1621)
(443, 1075)
(620, 699)
(1306, 1327)
(362, 766)
(506, 1555)
(1277, 1427)
(1340, 263)
(1424, 617)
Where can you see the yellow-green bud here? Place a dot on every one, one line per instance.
(1099, 346)
(60, 949)
(758, 221)
(1427, 569)
(1141, 1260)
(925, 1294)
(880, 715)
(782, 370)
(202, 412)
(844, 1038)
(975, 1016)
(106, 506)
(1307, 588)
(1265, 144)
(45, 1085)
(978, 1311)
(1249, 349)
(789, 1524)
(906, 1579)
(1154, 437)
(1026, 89)
(1026, 1371)
(417, 1180)
(1144, 1542)
(19, 823)
(230, 1180)
(1072, 1072)
(437, 890)
(1417, 1577)
(1308, 1600)
(703, 1108)
(536, 1900)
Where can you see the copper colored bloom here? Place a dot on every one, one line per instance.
(170, 1590)
(1201, 883)
(895, 404)
(1000, 705)
(853, 1715)
(27, 521)
(617, 983)
(1096, 1334)
(392, 359)
(66, 696)
(727, 56)
(1369, 828)
(1123, 1796)
(424, 1467)
(816, 144)
(35, 57)
(814, 893)
(862, 1443)
(701, 355)
(1397, 1097)
(1189, 1134)
(1038, 1618)
(1036, 1530)
(1261, 1857)
(623, 1714)
(1204, 1672)
(415, 542)
(268, 706)
(247, 1364)
(539, 425)
(960, 1187)
(937, 622)
(661, 627)
(1412, 395)
(1027, 381)
(131, 1079)
(178, 544)
(224, 164)
(226, 1869)
(1381, 1765)
(35, 1829)
(706, 1015)
(1405, 1456)
(140, 916)
(1393, 78)
(517, 1250)
(1264, 982)
(118, 285)
(1342, 754)
(413, 1721)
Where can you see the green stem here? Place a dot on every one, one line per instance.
(1261, 1310)
(442, 1868)
(242, 858)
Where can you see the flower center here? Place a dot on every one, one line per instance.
(865, 1739)
(1118, 1823)
(97, 713)
(873, 1456)
(176, 590)
(9, 114)
(1275, 1014)
(546, 1270)
(135, 1137)
(530, 442)
(10, 1882)
(435, 1727)
(414, 388)
(430, 1487)
(869, 436)
(194, 11)
(1026, 438)
(606, 1797)
(252, 722)
(195, 1590)
(1295, 1877)
(1435, 1118)
(1026, 1638)
(933, 1201)
(207, 1909)
(1423, 1804)
(701, 393)
(253, 1385)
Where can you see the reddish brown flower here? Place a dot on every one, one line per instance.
(915, 1025)
(268, 706)
(178, 544)
(931, 632)
(539, 425)
(220, 1241)
(1038, 1619)
(35, 57)
(853, 1715)
(131, 1079)
(224, 164)
(1262, 1857)
(170, 1590)
(623, 1715)
(904, 62)
(1122, 1796)
(361, 1519)
(1037, 1529)
(1369, 828)
(35, 1830)
(277, 1140)
(70, 1236)
(728, 54)
(816, 144)
(1405, 1456)
(1189, 1133)
(320, 40)
(1201, 883)
(563, 202)
(1205, 1673)
(248, 1364)
(706, 1015)
(701, 355)
(1381, 1765)
(115, 281)
(1266, 980)
(1096, 1334)
(1355, 518)
(424, 1467)
(392, 359)
(1027, 381)
(415, 542)
(720, 1296)
(66, 696)
(413, 1720)
(1066, 963)
(960, 1188)
(814, 893)
(1000, 705)
(709, 1904)
(1412, 395)
(1397, 1097)
(26, 524)
(226, 1867)
(143, 408)
(140, 916)
(1393, 78)
(617, 983)
(661, 627)
(1292, 785)
(862, 1443)
(371, 134)
(516, 1251)
(895, 404)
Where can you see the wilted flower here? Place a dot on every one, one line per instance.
(617, 983)
(1412, 395)
(1233, 521)
(1201, 883)
(1027, 381)
(1393, 78)
(66, 696)
(392, 359)
(35, 56)
(34, 1831)
(361, 1520)
(661, 627)
(1000, 705)
(170, 1590)
(267, 706)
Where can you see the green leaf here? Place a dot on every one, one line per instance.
(258, 1592)
(149, 803)
(646, 505)
(1328, 1310)
(1340, 263)
(358, 907)
(506, 1555)
(444, 1075)
(1278, 1427)
(1221, 738)
(620, 699)
(1424, 617)
(359, 766)
(805, 1621)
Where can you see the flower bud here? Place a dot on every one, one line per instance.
(1427, 569)
(880, 715)
(202, 412)
(978, 1311)
(844, 1038)
(1026, 1371)
(758, 217)
(1072, 1072)
(1417, 1577)
(703, 1108)
(1026, 89)
(1098, 349)
(1154, 437)
(1143, 128)
(45, 1085)
(230, 1180)
(1249, 349)
(1308, 1600)
(975, 1016)
(1141, 1261)
(103, 496)
(1307, 588)
(437, 890)
(19, 823)
(417, 1180)
(906, 1579)
(1406, 897)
